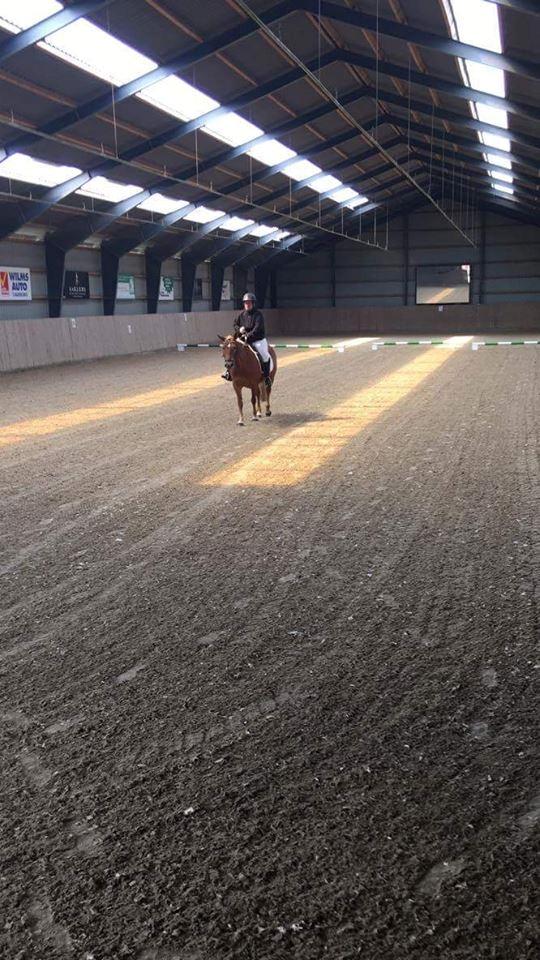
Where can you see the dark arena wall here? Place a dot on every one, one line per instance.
(269, 664)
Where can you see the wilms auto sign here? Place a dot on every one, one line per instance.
(15, 283)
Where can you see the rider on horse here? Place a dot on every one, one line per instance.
(249, 325)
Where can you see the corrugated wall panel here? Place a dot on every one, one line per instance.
(367, 276)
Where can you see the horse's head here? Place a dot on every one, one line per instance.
(229, 349)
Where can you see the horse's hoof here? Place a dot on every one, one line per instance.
(240, 423)
(268, 413)
(255, 419)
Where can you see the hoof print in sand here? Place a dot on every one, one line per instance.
(130, 674)
(431, 885)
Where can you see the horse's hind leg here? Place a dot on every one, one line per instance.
(254, 399)
(238, 391)
(268, 391)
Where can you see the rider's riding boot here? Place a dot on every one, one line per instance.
(226, 375)
(266, 372)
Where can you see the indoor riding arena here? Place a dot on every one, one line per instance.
(267, 677)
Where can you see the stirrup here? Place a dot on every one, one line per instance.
(268, 381)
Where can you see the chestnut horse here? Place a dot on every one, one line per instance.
(243, 364)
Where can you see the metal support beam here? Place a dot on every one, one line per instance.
(474, 177)
(457, 119)
(262, 276)
(521, 6)
(483, 189)
(153, 277)
(422, 151)
(405, 259)
(243, 256)
(456, 139)
(273, 288)
(109, 278)
(332, 254)
(338, 106)
(482, 259)
(32, 35)
(80, 228)
(430, 41)
(184, 128)
(239, 285)
(189, 269)
(217, 273)
(54, 263)
(186, 59)
(458, 90)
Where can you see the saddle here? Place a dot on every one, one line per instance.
(257, 354)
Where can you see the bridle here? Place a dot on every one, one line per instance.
(229, 364)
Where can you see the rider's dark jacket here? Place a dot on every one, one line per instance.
(253, 322)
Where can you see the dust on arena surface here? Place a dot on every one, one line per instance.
(268, 693)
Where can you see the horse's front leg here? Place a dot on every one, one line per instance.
(268, 391)
(238, 391)
(256, 403)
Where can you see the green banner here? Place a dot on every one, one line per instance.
(166, 288)
(125, 289)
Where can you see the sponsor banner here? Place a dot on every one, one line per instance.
(76, 285)
(125, 289)
(166, 288)
(15, 283)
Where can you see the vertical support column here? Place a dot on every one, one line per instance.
(55, 259)
(153, 277)
(217, 272)
(333, 275)
(482, 260)
(262, 274)
(405, 259)
(109, 278)
(273, 289)
(239, 285)
(189, 268)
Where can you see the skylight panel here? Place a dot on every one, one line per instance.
(19, 166)
(301, 169)
(271, 152)
(236, 223)
(493, 140)
(158, 203)
(344, 193)
(358, 202)
(204, 215)
(477, 22)
(103, 189)
(178, 98)
(261, 230)
(503, 188)
(15, 17)
(498, 161)
(233, 129)
(499, 175)
(281, 234)
(98, 52)
(493, 115)
(488, 79)
(325, 183)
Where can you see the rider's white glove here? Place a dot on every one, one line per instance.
(242, 329)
